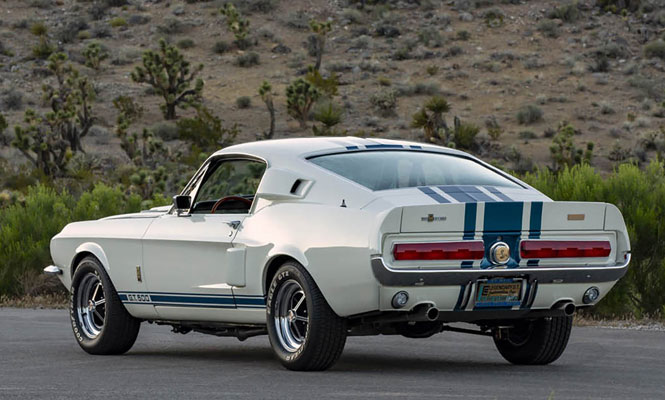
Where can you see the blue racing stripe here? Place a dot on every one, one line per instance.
(536, 220)
(466, 194)
(157, 298)
(416, 147)
(352, 147)
(467, 264)
(503, 217)
(498, 193)
(460, 298)
(384, 146)
(431, 193)
(470, 220)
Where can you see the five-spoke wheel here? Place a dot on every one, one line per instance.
(304, 331)
(100, 321)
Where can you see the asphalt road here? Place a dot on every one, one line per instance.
(40, 359)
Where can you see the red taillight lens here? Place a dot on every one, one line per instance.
(471, 250)
(564, 249)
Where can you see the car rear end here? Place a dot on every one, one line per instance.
(499, 258)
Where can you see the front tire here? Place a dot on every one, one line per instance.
(537, 342)
(305, 333)
(100, 322)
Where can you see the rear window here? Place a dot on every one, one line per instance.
(382, 170)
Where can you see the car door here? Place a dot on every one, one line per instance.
(185, 254)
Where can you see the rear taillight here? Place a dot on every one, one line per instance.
(564, 249)
(468, 250)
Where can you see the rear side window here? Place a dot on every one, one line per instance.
(382, 170)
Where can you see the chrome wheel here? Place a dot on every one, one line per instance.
(291, 317)
(91, 306)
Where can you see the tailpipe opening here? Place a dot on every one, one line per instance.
(568, 308)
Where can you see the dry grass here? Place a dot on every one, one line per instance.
(54, 300)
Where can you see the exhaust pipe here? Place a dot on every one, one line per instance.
(424, 312)
(568, 308)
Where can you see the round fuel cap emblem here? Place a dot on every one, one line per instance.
(499, 253)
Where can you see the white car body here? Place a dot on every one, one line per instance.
(216, 267)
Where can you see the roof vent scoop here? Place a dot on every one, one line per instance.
(283, 184)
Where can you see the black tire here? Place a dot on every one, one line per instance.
(324, 334)
(115, 329)
(536, 342)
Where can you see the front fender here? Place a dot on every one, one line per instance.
(94, 249)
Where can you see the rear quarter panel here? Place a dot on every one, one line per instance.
(332, 243)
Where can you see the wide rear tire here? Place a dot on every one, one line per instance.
(305, 333)
(100, 322)
(537, 342)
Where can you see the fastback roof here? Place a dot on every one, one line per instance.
(300, 147)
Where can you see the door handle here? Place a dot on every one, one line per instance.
(233, 224)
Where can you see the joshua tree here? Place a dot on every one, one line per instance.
(94, 55)
(300, 96)
(265, 91)
(236, 24)
(430, 118)
(48, 141)
(320, 30)
(167, 71)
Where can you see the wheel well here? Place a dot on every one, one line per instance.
(77, 259)
(271, 269)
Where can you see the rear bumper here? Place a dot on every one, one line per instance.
(387, 276)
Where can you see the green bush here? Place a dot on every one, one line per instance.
(655, 49)
(640, 195)
(529, 114)
(26, 229)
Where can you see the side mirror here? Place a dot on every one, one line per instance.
(182, 204)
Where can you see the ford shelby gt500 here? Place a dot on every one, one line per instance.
(313, 240)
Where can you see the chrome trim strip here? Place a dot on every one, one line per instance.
(388, 276)
(52, 270)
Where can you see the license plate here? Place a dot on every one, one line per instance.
(499, 293)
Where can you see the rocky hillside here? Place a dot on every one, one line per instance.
(514, 69)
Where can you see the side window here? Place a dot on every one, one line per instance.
(230, 185)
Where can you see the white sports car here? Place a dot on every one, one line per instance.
(313, 240)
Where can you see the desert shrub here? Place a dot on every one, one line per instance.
(384, 102)
(454, 51)
(118, 22)
(493, 18)
(464, 135)
(171, 26)
(266, 93)
(165, 130)
(529, 114)
(329, 115)
(244, 102)
(430, 117)
(567, 12)
(606, 108)
(619, 6)
(185, 43)
(565, 153)
(640, 195)
(4, 50)
(138, 19)
(38, 29)
(548, 28)
(220, 47)
(69, 32)
(206, 132)
(43, 49)
(97, 10)
(26, 229)
(527, 135)
(12, 99)
(655, 49)
(419, 89)
(653, 88)
(100, 31)
(431, 37)
(463, 35)
(247, 60)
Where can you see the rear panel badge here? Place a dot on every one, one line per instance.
(432, 218)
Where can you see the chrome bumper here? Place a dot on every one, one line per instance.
(388, 276)
(53, 270)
